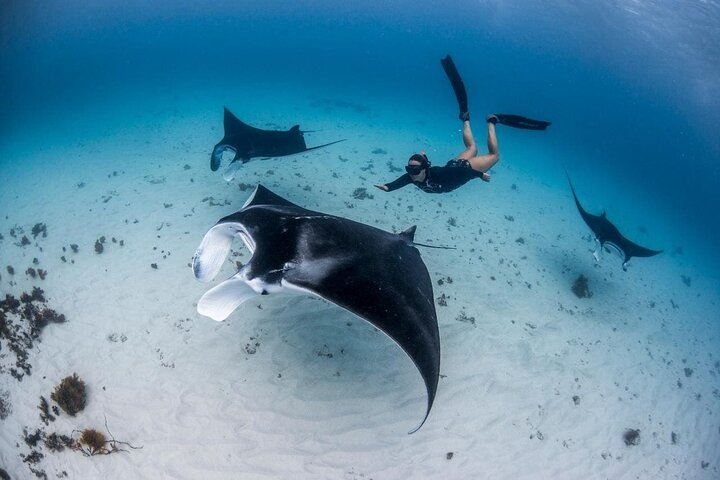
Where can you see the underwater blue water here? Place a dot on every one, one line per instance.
(633, 88)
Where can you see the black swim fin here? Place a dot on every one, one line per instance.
(518, 121)
(458, 86)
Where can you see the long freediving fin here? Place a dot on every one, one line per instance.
(458, 86)
(518, 121)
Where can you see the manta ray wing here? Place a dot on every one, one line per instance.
(632, 249)
(264, 196)
(385, 282)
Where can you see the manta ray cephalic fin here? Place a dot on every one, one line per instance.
(220, 301)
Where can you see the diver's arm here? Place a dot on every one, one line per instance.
(395, 184)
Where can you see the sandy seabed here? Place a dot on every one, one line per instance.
(535, 382)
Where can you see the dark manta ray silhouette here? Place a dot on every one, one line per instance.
(248, 142)
(374, 274)
(607, 233)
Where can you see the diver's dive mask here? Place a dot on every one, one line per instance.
(416, 169)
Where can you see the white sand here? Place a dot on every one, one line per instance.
(293, 387)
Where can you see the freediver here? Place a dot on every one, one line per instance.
(468, 164)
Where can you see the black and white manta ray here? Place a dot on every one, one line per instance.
(247, 142)
(376, 275)
(608, 234)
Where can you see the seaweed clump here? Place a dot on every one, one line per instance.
(5, 407)
(56, 442)
(580, 287)
(39, 229)
(21, 323)
(70, 394)
(631, 437)
(93, 439)
(45, 414)
(361, 194)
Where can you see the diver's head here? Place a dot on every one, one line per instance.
(417, 163)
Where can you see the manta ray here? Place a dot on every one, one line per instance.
(247, 142)
(377, 275)
(608, 234)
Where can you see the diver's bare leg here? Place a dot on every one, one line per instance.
(483, 163)
(469, 141)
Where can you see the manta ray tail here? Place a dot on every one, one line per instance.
(572, 189)
(409, 236)
(325, 145)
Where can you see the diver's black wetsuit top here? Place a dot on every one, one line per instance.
(445, 179)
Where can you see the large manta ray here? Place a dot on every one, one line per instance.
(607, 233)
(376, 275)
(248, 142)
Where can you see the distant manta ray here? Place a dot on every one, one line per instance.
(377, 275)
(249, 142)
(607, 233)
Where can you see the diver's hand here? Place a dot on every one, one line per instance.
(382, 186)
(485, 177)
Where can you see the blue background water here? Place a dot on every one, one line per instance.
(90, 89)
(633, 88)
